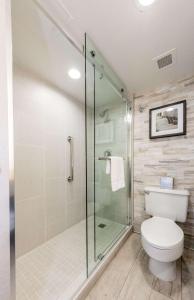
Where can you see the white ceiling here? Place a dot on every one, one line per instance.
(39, 47)
(130, 39)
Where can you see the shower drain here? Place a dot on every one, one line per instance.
(101, 225)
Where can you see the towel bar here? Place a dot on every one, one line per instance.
(105, 158)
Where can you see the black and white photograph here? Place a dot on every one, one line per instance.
(168, 120)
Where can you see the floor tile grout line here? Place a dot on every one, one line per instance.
(131, 267)
(152, 289)
(181, 277)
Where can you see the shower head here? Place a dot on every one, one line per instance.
(103, 113)
(101, 76)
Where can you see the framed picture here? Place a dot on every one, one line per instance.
(168, 120)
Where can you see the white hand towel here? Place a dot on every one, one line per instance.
(115, 167)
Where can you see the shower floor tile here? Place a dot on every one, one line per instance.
(56, 269)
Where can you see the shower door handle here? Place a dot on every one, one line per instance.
(70, 177)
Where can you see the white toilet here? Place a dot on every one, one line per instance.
(162, 238)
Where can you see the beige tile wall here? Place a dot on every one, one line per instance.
(46, 204)
(164, 156)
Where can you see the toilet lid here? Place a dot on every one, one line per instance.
(162, 233)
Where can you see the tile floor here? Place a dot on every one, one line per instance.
(56, 269)
(128, 278)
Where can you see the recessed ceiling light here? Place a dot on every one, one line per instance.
(74, 73)
(146, 2)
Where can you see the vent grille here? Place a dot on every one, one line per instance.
(164, 61)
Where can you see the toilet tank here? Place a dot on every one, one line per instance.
(166, 203)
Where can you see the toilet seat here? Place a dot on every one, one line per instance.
(162, 233)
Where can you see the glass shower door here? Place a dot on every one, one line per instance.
(107, 131)
(111, 139)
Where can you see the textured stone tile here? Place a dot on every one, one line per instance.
(164, 156)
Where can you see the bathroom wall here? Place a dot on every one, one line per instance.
(46, 204)
(164, 156)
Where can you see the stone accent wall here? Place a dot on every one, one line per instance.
(172, 156)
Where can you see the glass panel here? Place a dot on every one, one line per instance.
(108, 134)
(111, 136)
(49, 106)
(90, 109)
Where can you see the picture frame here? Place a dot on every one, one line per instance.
(168, 120)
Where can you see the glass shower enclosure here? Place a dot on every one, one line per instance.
(108, 130)
(67, 216)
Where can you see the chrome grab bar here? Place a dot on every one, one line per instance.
(70, 177)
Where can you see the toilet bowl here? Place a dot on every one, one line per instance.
(161, 237)
(163, 241)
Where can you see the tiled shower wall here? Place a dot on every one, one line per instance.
(46, 204)
(164, 156)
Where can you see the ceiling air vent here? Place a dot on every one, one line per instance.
(164, 61)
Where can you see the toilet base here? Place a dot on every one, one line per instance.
(163, 270)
